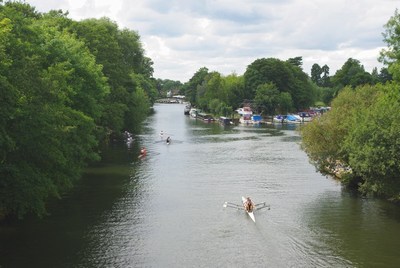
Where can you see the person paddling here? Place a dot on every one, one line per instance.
(143, 152)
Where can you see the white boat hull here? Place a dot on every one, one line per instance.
(251, 214)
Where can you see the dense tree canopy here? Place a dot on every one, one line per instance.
(391, 55)
(358, 140)
(286, 76)
(352, 74)
(64, 86)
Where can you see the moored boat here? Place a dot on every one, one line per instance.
(289, 119)
(187, 108)
(225, 121)
(245, 115)
(205, 117)
(193, 112)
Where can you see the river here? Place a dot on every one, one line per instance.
(166, 209)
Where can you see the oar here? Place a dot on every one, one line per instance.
(231, 205)
(262, 205)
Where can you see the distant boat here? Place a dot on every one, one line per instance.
(256, 119)
(289, 119)
(245, 115)
(205, 117)
(187, 108)
(305, 116)
(193, 112)
(225, 121)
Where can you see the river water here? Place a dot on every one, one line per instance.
(166, 209)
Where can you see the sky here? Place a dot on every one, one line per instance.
(182, 36)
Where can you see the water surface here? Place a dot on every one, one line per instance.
(165, 210)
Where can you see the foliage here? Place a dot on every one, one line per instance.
(320, 75)
(286, 76)
(192, 85)
(62, 83)
(235, 90)
(373, 144)
(285, 104)
(296, 61)
(165, 85)
(391, 55)
(127, 69)
(316, 72)
(360, 132)
(267, 98)
(351, 74)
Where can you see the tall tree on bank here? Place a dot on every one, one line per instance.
(316, 72)
(325, 80)
(286, 77)
(391, 55)
(360, 135)
(56, 100)
(127, 69)
(191, 87)
(351, 74)
(54, 92)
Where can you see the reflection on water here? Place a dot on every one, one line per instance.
(165, 210)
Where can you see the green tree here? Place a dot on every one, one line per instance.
(296, 61)
(316, 72)
(351, 74)
(373, 145)
(323, 138)
(325, 77)
(165, 85)
(286, 76)
(126, 68)
(384, 76)
(192, 85)
(215, 87)
(235, 90)
(54, 91)
(267, 98)
(391, 55)
(285, 103)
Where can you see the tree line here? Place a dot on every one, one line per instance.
(356, 142)
(65, 88)
(272, 86)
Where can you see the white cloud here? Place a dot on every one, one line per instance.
(181, 36)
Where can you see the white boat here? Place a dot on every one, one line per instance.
(193, 112)
(245, 115)
(249, 212)
(242, 207)
(187, 108)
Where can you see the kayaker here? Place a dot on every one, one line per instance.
(143, 152)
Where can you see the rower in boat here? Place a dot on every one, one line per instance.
(248, 206)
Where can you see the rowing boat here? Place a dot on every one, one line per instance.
(250, 213)
(243, 207)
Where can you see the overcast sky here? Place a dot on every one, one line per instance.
(181, 36)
